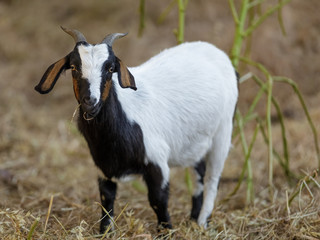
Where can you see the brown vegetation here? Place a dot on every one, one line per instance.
(48, 185)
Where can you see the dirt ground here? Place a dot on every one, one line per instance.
(48, 186)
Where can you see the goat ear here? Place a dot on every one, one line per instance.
(52, 74)
(126, 80)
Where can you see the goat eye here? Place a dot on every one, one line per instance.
(111, 69)
(73, 67)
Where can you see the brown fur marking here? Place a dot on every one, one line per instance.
(52, 74)
(76, 89)
(106, 90)
(125, 77)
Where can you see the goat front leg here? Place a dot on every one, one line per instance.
(108, 190)
(158, 193)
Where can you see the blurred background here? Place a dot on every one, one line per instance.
(41, 152)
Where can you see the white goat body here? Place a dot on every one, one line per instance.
(184, 105)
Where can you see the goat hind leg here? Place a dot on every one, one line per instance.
(197, 198)
(214, 165)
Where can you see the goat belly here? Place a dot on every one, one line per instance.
(117, 149)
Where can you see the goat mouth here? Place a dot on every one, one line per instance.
(89, 113)
(88, 116)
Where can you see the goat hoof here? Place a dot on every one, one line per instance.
(164, 225)
(105, 225)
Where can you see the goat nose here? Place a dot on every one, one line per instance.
(89, 100)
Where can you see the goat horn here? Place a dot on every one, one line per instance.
(77, 36)
(110, 38)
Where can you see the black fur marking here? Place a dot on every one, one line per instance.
(108, 190)
(117, 148)
(238, 82)
(196, 206)
(238, 76)
(198, 200)
(116, 144)
(110, 62)
(158, 196)
(75, 58)
(200, 167)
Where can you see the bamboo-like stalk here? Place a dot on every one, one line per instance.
(239, 30)
(280, 20)
(247, 160)
(167, 10)
(271, 99)
(254, 104)
(240, 35)
(246, 165)
(270, 145)
(268, 119)
(262, 18)
(306, 112)
(286, 166)
(266, 140)
(240, 21)
(182, 4)
(142, 17)
(188, 181)
(250, 115)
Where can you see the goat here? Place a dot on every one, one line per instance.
(176, 109)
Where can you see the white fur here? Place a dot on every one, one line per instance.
(92, 59)
(184, 105)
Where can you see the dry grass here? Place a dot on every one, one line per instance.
(48, 187)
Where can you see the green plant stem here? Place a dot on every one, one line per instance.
(255, 3)
(269, 128)
(142, 17)
(182, 4)
(247, 160)
(244, 149)
(234, 11)
(188, 180)
(261, 19)
(300, 185)
(165, 13)
(33, 227)
(265, 138)
(286, 166)
(238, 37)
(280, 20)
(246, 164)
(268, 119)
(253, 105)
(305, 109)
(240, 21)
(250, 189)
